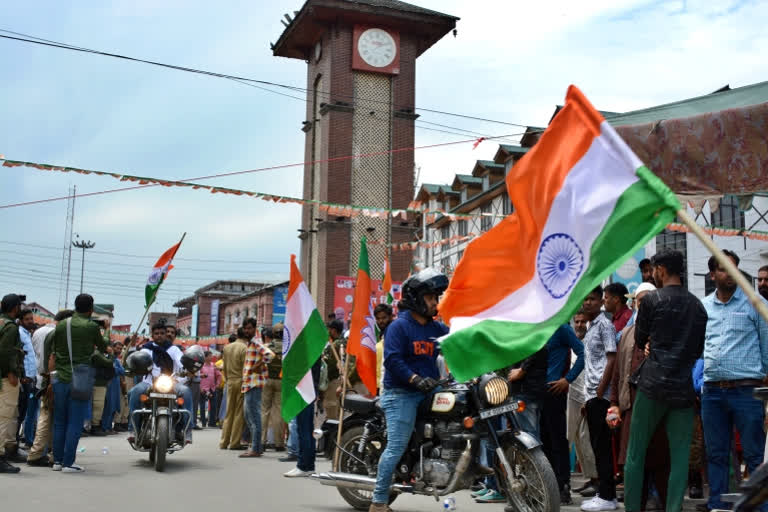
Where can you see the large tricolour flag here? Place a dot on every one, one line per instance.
(157, 276)
(304, 338)
(584, 203)
(362, 329)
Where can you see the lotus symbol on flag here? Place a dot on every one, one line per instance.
(368, 332)
(559, 264)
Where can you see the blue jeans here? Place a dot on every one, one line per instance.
(68, 417)
(30, 420)
(293, 438)
(305, 424)
(252, 405)
(400, 407)
(721, 411)
(142, 388)
(530, 419)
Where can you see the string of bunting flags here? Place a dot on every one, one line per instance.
(348, 210)
(332, 209)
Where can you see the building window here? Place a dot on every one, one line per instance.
(675, 241)
(463, 228)
(445, 231)
(486, 221)
(728, 214)
(446, 264)
(229, 318)
(506, 204)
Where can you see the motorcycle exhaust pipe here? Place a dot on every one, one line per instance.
(352, 481)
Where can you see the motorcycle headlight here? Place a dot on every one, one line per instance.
(164, 384)
(494, 389)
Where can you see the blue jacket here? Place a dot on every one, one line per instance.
(410, 348)
(558, 348)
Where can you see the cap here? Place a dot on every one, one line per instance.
(644, 287)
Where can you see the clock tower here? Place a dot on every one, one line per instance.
(361, 71)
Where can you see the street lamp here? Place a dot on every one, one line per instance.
(82, 244)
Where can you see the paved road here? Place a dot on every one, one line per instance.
(201, 477)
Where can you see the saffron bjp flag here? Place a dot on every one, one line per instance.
(362, 329)
(304, 338)
(158, 274)
(584, 203)
(386, 285)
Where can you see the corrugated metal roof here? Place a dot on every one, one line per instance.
(401, 6)
(466, 178)
(509, 148)
(489, 163)
(740, 97)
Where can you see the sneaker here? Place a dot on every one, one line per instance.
(297, 473)
(74, 468)
(491, 497)
(598, 504)
(56, 466)
(481, 492)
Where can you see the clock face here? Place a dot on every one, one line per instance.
(377, 48)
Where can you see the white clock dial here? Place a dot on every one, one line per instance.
(377, 48)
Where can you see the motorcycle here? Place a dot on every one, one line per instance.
(754, 492)
(161, 422)
(443, 452)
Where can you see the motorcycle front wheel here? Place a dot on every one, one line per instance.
(351, 461)
(161, 443)
(531, 467)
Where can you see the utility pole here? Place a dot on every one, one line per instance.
(66, 257)
(82, 244)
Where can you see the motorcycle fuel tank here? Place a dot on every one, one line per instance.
(443, 402)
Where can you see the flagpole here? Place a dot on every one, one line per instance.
(146, 310)
(726, 263)
(341, 413)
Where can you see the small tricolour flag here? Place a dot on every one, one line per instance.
(304, 338)
(386, 285)
(362, 329)
(158, 274)
(584, 203)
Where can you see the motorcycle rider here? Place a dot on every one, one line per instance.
(167, 360)
(410, 355)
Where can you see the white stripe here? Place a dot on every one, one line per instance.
(306, 388)
(297, 311)
(581, 209)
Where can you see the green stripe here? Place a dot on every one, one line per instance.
(642, 211)
(305, 350)
(362, 263)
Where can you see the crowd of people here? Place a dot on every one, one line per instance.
(652, 390)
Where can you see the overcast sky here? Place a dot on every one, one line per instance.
(511, 61)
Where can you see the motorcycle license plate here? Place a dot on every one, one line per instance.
(490, 413)
(162, 395)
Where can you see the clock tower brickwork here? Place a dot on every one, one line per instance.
(351, 112)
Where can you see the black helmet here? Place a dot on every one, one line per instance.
(415, 287)
(193, 359)
(139, 362)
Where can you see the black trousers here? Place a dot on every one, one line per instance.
(554, 436)
(600, 436)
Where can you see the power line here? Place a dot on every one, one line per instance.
(66, 46)
(125, 255)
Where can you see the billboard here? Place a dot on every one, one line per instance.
(193, 325)
(344, 295)
(278, 304)
(629, 272)
(215, 317)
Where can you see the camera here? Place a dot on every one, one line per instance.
(22, 297)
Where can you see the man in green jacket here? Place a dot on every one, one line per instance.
(11, 356)
(68, 413)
